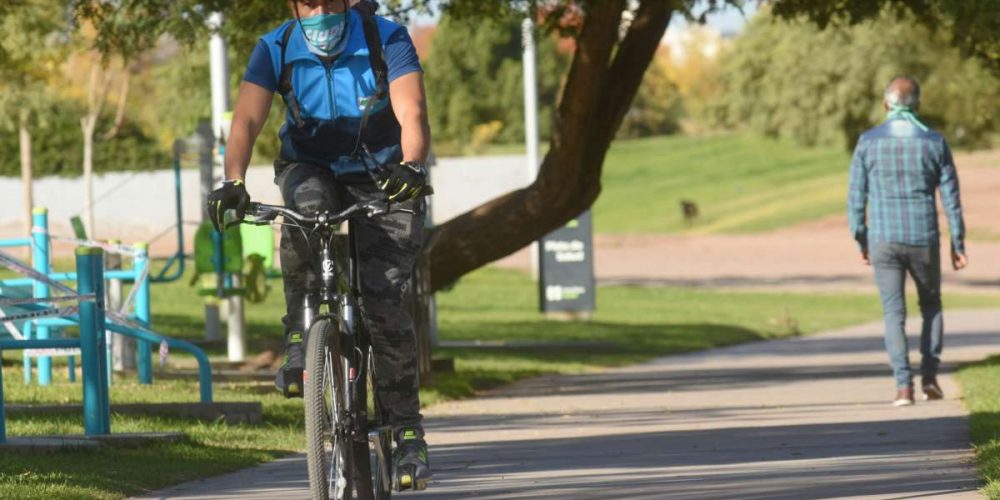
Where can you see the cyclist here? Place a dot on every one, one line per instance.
(333, 83)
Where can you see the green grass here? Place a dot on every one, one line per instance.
(489, 304)
(211, 447)
(981, 391)
(740, 183)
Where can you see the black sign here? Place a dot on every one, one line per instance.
(566, 268)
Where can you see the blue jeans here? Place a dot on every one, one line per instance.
(892, 262)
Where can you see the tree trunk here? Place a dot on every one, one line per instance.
(29, 193)
(597, 94)
(120, 109)
(96, 95)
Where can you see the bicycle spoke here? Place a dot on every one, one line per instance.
(336, 476)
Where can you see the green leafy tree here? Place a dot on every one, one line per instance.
(474, 77)
(824, 86)
(31, 45)
(55, 140)
(657, 108)
(615, 41)
(971, 25)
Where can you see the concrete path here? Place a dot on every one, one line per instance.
(801, 418)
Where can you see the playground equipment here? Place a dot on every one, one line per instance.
(93, 321)
(41, 280)
(220, 257)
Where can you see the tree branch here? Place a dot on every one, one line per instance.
(512, 221)
(635, 53)
(120, 109)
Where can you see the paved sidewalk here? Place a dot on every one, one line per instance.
(801, 418)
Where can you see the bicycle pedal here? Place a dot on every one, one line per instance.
(403, 481)
(293, 382)
(293, 391)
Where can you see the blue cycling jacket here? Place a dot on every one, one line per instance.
(332, 97)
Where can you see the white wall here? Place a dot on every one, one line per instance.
(138, 206)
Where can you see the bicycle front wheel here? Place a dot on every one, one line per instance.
(327, 434)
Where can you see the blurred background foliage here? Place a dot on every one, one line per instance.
(782, 77)
(823, 86)
(475, 83)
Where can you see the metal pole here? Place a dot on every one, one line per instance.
(3, 416)
(40, 261)
(142, 313)
(219, 67)
(121, 349)
(530, 117)
(28, 333)
(29, 193)
(96, 405)
(237, 342)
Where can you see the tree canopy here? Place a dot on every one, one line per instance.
(615, 42)
(474, 76)
(39, 91)
(972, 25)
(824, 86)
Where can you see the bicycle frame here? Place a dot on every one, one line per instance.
(335, 298)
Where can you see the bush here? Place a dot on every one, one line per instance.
(824, 87)
(57, 147)
(474, 77)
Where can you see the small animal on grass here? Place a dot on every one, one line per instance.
(690, 211)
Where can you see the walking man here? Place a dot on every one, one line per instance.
(897, 168)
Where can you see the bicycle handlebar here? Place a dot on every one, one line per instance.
(264, 214)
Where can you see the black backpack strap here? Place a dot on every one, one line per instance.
(373, 39)
(285, 79)
(376, 58)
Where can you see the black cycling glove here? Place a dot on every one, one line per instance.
(405, 181)
(231, 196)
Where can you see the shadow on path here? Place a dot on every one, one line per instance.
(781, 461)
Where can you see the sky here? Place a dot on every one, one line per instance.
(728, 21)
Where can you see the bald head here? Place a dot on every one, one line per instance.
(902, 91)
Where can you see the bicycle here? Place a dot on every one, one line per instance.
(348, 444)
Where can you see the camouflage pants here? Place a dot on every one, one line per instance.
(387, 249)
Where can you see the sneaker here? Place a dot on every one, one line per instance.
(412, 470)
(931, 389)
(288, 380)
(904, 397)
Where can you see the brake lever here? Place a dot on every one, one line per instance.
(377, 207)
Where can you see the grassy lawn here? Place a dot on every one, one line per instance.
(489, 305)
(740, 183)
(981, 391)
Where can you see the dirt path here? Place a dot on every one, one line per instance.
(802, 418)
(817, 255)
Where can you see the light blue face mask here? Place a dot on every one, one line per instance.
(905, 112)
(326, 34)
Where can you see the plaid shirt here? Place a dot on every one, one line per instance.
(896, 169)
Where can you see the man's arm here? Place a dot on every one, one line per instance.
(252, 107)
(857, 200)
(952, 202)
(409, 103)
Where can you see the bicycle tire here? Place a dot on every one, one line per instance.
(329, 475)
